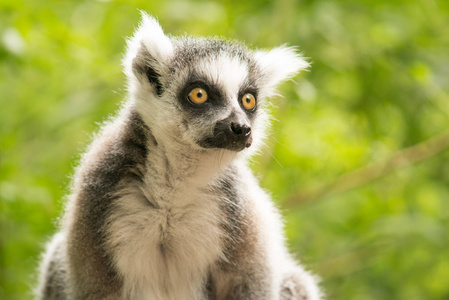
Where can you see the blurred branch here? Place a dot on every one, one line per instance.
(360, 177)
(352, 260)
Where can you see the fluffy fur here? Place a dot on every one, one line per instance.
(156, 215)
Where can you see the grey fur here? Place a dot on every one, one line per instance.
(156, 214)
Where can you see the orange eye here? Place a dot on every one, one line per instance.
(249, 101)
(198, 95)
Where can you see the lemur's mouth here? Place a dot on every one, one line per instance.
(232, 133)
(230, 136)
(228, 142)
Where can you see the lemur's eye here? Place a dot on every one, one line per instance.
(249, 101)
(198, 95)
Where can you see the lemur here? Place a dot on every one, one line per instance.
(163, 203)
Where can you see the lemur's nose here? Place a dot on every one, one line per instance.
(240, 129)
(231, 133)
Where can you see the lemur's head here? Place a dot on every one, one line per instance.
(204, 93)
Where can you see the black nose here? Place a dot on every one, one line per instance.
(240, 129)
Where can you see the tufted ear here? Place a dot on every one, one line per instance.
(148, 53)
(277, 65)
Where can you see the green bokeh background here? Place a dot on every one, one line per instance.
(379, 83)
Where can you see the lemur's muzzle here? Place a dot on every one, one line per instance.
(231, 133)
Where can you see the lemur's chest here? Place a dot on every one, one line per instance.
(193, 220)
(167, 247)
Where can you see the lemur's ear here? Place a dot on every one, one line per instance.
(277, 65)
(148, 53)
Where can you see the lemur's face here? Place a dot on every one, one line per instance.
(215, 94)
(204, 93)
(204, 101)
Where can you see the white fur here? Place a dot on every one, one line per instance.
(187, 220)
(225, 71)
(279, 64)
(152, 37)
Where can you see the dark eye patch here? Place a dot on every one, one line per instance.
(251, 89)
(215, 97)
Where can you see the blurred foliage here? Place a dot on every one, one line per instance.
(379, 83)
